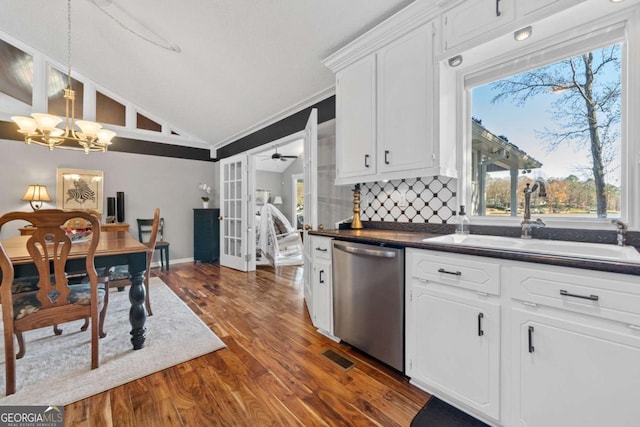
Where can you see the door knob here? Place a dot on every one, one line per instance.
(307, 227)
(220, 218)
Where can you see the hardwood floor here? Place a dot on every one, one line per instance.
(271, 373)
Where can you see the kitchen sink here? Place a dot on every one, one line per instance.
(596, 251)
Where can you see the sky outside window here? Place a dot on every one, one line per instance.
(523, 124)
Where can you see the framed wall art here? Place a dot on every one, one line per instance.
(80, 189)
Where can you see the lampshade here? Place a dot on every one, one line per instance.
(89, 128)
(277, 200)
(36, 193)
(46, 122)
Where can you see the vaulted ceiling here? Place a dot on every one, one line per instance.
(241, 63)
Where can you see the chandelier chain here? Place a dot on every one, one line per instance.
(69, 43)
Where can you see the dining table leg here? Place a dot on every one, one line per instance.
(137, 312)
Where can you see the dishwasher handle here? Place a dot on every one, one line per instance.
(368, 252)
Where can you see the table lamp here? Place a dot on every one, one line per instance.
(36, 193)
(277, 200)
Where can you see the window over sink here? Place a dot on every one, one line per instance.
(559, 122)
(555, 109)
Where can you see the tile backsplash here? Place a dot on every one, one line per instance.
(418, 200)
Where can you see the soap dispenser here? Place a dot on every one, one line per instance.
(462, 222)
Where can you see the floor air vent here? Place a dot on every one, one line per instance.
(342, 361)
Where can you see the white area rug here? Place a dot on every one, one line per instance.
(56, 370)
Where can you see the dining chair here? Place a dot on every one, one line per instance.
(145, 227)
(55, 301)
(119, 276)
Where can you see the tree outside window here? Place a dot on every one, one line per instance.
(567, 116)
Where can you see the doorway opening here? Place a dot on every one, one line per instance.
(297, 194)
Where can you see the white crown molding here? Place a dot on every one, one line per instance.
(404, 21)
(313, 99)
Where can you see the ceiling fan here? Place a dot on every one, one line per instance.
(278, 156)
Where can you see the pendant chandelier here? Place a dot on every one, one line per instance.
(42, 128)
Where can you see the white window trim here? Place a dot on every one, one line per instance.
(552, 49)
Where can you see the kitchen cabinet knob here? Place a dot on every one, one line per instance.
(307, 227)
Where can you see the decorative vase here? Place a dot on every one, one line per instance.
(205, 205)
(120, 206)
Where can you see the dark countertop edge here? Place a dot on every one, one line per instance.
(409, 239)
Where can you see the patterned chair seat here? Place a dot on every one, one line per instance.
(27, 284)
(26, 303)
(119, 272)
(30, 283)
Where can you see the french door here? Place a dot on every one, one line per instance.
(233, 213)
(310, 200)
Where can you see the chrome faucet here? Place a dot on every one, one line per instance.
(622, 231)
(527, 224)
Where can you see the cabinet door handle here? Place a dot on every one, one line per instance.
(455, 273)
(480, 331)
(498, 13)
(321, 249)
(531, 347)
(386, 157)
(589, 297)
(321, 276)
(366, 160)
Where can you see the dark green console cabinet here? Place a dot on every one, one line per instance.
(206, 235)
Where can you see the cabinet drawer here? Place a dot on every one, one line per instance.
(464, 271)
(321, 247)
(605, 295)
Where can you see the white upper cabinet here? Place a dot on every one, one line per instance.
(405, 103)
(473, 18)
(384, 111)
(356, 128)
(385, 104)
(529, 7)
(473, 22)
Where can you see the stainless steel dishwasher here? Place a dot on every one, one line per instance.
(368, 299)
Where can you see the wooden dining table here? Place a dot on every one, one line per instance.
(114, 248)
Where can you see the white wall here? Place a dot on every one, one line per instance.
(147, 181)
(335, 202)
(271, 181)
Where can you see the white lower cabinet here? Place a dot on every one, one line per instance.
(458, 350)
(322, 296)
(453, 333)
(321, 284)
(550, 346)
(573, 371)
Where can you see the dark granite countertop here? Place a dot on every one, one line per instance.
(414, 239)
